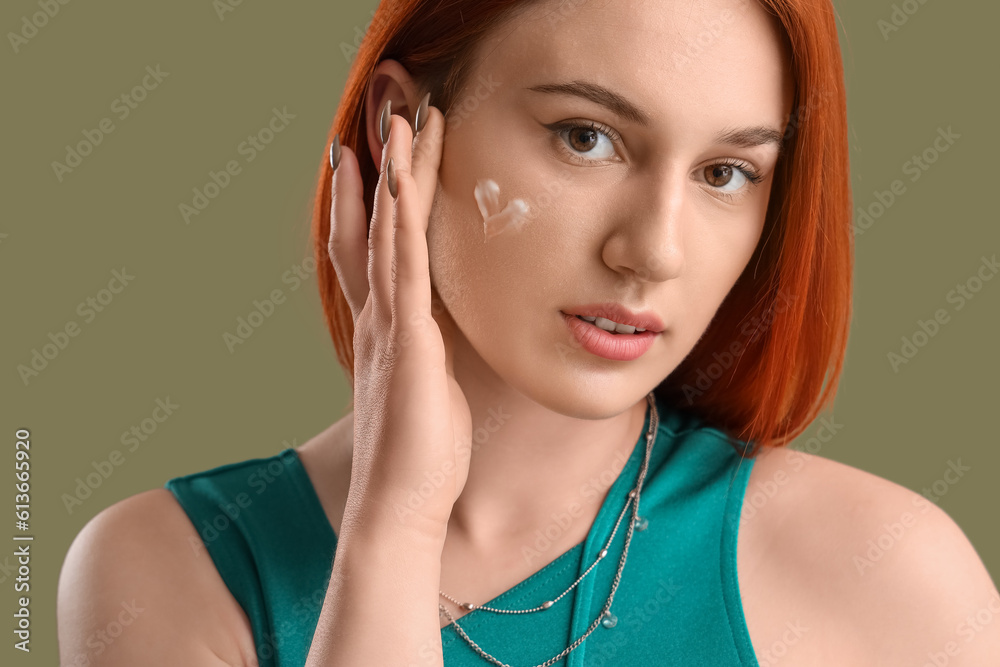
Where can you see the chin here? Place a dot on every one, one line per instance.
(558, 375)
(575, 389)
(596, 407)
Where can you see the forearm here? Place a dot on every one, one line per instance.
(381, 605)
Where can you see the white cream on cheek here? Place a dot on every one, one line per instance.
(495, 220)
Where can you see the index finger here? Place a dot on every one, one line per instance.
(428, 146)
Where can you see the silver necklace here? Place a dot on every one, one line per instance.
(605, 617)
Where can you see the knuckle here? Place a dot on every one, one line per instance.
(385, 359)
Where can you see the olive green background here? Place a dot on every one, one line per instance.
(162, 336)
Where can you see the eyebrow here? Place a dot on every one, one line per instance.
(742, 137)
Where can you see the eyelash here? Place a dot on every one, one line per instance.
(751, 174)
(559, 128)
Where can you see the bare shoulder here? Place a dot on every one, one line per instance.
(138, 587)
(837, 562)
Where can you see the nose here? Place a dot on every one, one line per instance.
(646, 243)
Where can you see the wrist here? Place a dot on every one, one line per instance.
(382, 521)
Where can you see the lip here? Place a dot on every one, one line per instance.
(616, 347)
(616, 312)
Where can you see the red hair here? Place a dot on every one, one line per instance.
(771, 359)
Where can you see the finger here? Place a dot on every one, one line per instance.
(426, 162)
(411, 304)
(380, 236)
(349, 230)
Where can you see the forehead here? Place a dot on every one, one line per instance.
(676, 59)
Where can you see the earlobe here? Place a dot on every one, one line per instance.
(389, 81)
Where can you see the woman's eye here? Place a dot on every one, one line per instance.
(732, 179)
(590, 143)
(586, 142)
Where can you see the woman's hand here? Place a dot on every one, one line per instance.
(412, 423)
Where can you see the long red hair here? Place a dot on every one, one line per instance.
(770, 360)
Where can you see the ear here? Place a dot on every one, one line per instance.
(390, 81)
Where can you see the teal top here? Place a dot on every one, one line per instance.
(677, 603)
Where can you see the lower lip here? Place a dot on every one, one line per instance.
(617, 347)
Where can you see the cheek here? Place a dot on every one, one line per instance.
(451, 249)
(724, 247)
(471, 273)
(715, 257)
(488, 275)
(487, 220)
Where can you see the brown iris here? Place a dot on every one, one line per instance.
(588, 141)
(719, 174)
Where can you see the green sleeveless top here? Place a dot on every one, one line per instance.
(677, 603)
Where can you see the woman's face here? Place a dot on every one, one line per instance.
(610, 121)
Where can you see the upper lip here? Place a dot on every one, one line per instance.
(616, 312)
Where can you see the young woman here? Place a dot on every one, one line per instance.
(582, 307)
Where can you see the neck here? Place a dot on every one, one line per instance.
(529, 462)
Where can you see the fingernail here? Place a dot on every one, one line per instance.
(335, 152)
(384, 126)
(421, 117)
(390, 175)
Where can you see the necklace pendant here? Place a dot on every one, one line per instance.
(609, 620)
(468, 605)
(641, 523)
